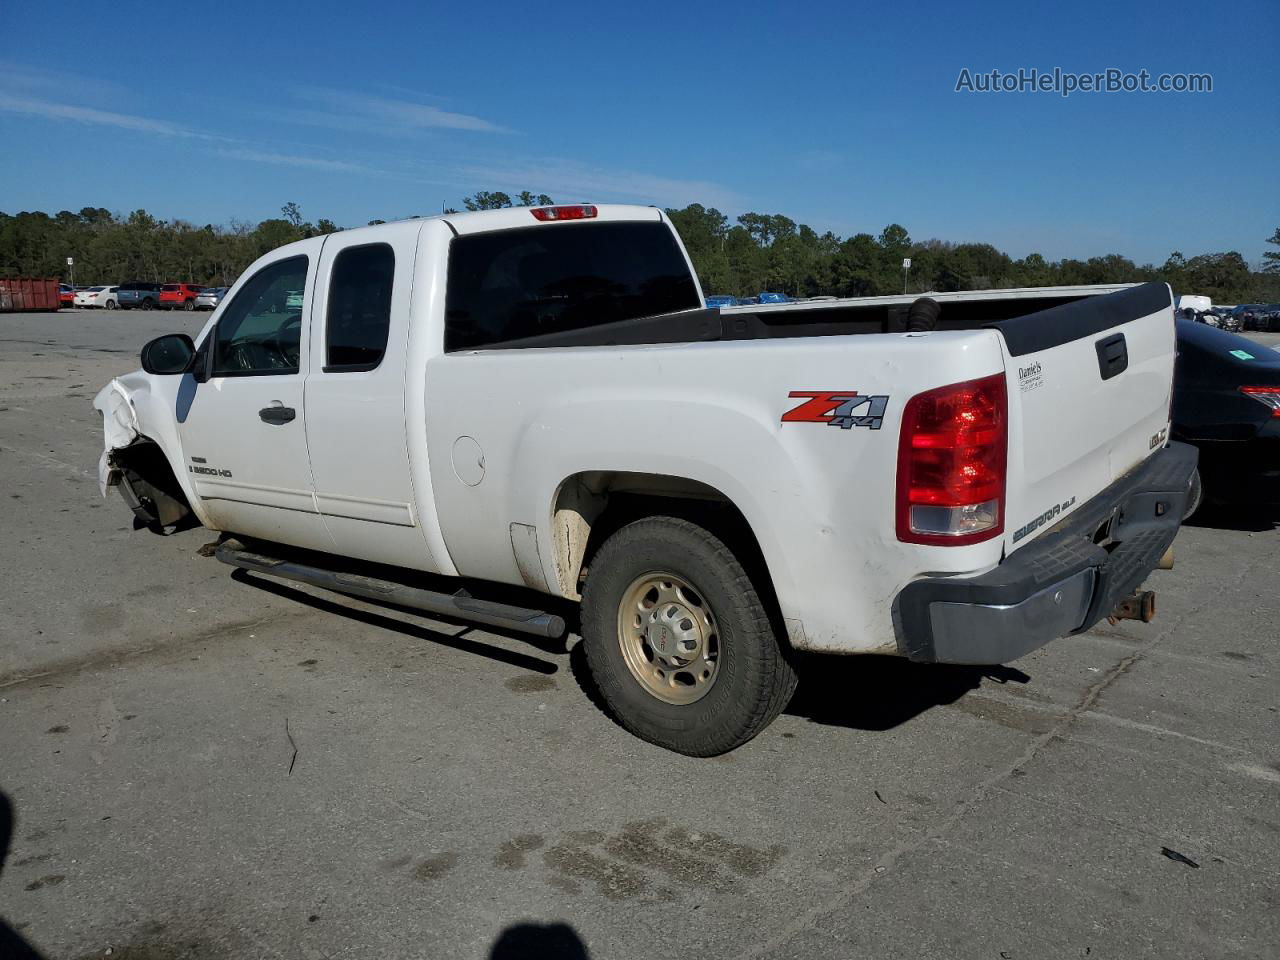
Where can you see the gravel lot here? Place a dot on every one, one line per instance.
(455, 793)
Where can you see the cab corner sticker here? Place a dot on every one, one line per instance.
(837, 408)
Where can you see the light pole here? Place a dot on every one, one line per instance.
(906, 269)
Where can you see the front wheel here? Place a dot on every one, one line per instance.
(679, 641)
(148, 304)
(111, 304)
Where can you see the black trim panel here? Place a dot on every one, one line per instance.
(1082, 318)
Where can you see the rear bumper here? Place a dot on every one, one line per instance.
(1064, 582)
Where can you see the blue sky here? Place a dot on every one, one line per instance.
(839, 116)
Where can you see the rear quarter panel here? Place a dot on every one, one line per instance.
(819, 498)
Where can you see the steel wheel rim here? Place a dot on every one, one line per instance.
(669, 637)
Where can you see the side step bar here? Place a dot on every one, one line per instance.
(461, 605)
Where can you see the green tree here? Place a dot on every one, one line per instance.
(1271, 258)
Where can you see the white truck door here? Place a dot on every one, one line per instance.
(243, 432)
(355, 396)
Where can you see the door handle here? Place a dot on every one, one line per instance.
(277, 414)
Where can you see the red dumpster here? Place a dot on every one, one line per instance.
(28, 294)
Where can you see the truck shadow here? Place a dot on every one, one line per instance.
(880, 693)
(862, 693)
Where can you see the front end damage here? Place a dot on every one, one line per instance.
(136, 464)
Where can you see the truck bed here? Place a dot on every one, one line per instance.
(1014, 312)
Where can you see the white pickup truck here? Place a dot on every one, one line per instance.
(538, 397)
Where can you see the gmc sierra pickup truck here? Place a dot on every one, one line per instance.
(538, 397)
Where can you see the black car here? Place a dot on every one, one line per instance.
(1247, 315)
(1226, 402)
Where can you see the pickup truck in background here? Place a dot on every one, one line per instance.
(538, 397)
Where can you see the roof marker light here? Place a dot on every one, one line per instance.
(576, 211)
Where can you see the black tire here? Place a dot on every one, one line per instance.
(1195, 496)
(111, 304)
(188, 305)
(148, 303)
(753, 681)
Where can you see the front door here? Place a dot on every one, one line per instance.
(243, 434)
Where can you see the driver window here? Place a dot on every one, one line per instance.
(260, 331)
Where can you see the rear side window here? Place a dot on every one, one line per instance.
(512, 284)
(359, 312)
(169, 287)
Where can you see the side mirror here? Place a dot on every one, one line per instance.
(169, 354)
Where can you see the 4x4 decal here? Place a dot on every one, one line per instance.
(838, 408)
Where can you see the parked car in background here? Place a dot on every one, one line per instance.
(210, 297)
(773, 298)
(66, 295)
(135, 293)
(1246, 314)
(1196, 303)
(1269, 317)
(97, 297)
(175, 296)
(721, 300)
(1226, 402)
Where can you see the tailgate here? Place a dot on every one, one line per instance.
(1089, 388)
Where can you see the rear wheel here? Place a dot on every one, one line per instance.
(679, 641)
(188, 305)
(148, 303)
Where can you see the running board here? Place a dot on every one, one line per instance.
(460, 605)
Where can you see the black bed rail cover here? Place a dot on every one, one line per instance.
(1081, 318)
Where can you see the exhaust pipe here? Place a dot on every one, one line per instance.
(1141, 605)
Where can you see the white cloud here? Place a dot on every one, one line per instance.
(296, 160)
(347, 111)
(51, 110)
(569, 181)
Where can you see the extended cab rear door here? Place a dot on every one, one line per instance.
(1089, 386)
(355, 395)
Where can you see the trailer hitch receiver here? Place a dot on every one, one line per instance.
(1140, 605)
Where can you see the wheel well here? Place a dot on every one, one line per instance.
(148, 476)
(593, 505)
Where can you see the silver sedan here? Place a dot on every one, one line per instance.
(210, 297)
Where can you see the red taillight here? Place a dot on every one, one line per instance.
(1268, 395)
(951, 464)
(578, 211)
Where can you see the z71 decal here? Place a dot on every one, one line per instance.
(837, 408)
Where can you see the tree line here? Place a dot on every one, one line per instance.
(757, 252)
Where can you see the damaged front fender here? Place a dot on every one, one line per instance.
(119, 429)
(140, 447)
